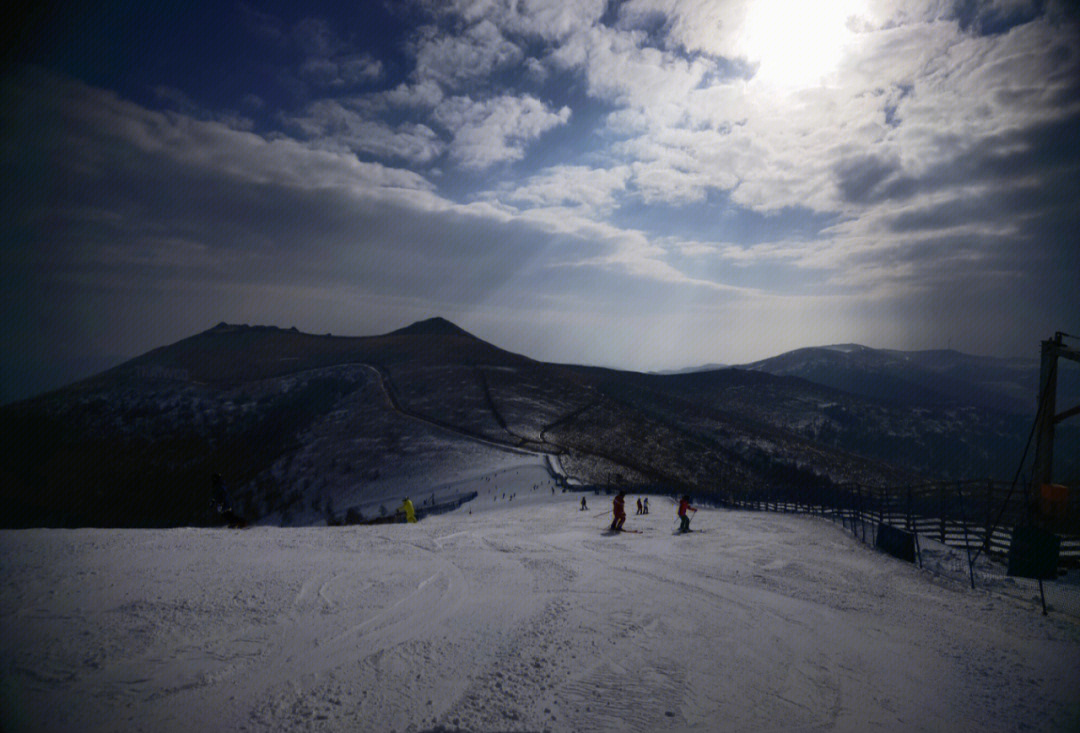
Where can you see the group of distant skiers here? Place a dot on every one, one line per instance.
(407, 511)
(618, 511)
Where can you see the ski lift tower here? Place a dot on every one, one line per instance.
(1047, 417)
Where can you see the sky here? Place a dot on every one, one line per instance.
(648, 184)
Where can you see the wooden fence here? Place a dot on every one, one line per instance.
(974, 515)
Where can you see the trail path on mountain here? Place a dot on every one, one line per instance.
(394, 403)
(514, 614)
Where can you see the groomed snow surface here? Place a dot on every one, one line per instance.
(515, 614)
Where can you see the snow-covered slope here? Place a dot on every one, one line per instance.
(516, 612)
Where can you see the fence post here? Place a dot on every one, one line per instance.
(909, 522)
(859, 511)
(856, 509)
(862, 510)
(912, 528)
(963, 522)
(941, 513)
(846, 501)
(849, 507)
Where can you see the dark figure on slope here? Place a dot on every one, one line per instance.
(619, 510)
(220, 501)
(639, 510)
(684, 518)
(584, 506)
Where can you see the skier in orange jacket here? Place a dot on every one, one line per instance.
(619, 510)
(684, 518)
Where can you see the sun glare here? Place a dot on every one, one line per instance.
(796, 43)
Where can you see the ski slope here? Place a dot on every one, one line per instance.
(514, 614)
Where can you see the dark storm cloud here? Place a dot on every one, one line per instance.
(998, 212)
(996, 16)
(112, 203)
(859, 178)
(128, 179)
(1049, 149)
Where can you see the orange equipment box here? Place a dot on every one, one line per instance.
(1054, 501)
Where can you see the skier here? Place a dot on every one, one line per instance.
(221, 502)
(619, 510)
(584, 506)
(408, 510)
(645, 506)
(684, 520)
(639, 511)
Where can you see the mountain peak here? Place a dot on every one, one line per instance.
(431, 327)
(846, 348)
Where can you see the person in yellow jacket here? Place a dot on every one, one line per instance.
(408, 510)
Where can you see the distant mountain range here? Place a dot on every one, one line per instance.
(306, 426)
(928, 378)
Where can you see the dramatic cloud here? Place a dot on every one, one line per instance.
(453, 60)
(337, 126)
(627, 180)
(592, 190)
(490, 131)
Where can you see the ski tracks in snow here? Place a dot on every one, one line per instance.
(373, 624)
(521, 617)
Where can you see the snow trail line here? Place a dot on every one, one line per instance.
(512, 618)
(393, 402)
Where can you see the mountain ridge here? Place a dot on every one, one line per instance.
(940, 377)
(296, 421)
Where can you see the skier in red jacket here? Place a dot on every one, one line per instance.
(684, 518)
(619, 510)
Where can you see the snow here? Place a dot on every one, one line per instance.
(515, 614)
